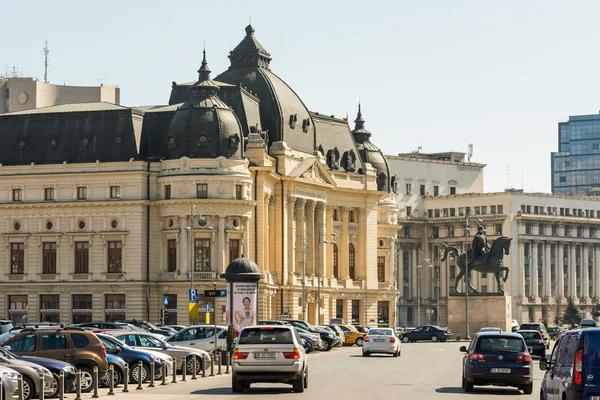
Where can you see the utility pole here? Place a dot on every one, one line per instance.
(467, 274)
(46, 51)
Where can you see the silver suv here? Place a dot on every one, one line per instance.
(269, 353)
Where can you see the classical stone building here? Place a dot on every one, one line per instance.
(96, 203)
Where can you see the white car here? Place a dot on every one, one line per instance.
(200, 337)
(381, 340)
(490, 329)
(10, 382)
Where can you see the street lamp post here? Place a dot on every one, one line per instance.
(467, 274)
(418, 295)
(202, 222)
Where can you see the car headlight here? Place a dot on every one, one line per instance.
(10, 375)
(70, 368)
(41, 370)
(155, 359)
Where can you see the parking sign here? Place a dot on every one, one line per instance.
(193, 295)
(165, 300)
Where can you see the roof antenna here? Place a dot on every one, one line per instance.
(46, 51)
(250, 19)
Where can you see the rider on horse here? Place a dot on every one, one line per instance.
(480, 245)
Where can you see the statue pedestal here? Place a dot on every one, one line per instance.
(485, 310)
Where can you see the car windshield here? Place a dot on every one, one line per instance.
(266, 335)
(384, 332)
(500, 344)
(117, 342)
(5, 336)
(530, 327)
(530, 335)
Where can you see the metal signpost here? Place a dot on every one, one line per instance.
(214, 294)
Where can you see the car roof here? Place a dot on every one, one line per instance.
(268, 326)
(500, 334)
(528, 330)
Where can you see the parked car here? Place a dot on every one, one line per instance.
(271, 354)
(537, 326)
(55, 367)
(80, 348)
(272, 322)
(514, 325)
(31, 376)
(150, 327)
(498, 359)
(573, 370)
(363, 329)
(150, 341)
(553, 331)
(101, 325)
(200, 337)
(10, 383)
(118, 365)
(327, 337)
(339, 334)
(381, 340)
(535, 342)
(314, 342)
(427, 332)
(132, 357)
(351, 335)
(490, 329)
(176, 328)
(317, 341)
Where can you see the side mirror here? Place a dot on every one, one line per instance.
(8, 348)
(463, 349)
(543, 364)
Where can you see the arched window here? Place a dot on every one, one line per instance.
(351, 262)
(335, 261)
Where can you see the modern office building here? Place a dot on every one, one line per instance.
(576, 164)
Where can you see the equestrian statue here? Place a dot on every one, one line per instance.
(482, 258)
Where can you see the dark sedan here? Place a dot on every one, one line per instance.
(535, 342)
(132, 357)
(428, 332)
(498, 359)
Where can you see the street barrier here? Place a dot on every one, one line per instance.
(78, 385)
(227, 358)
(165, 371)
(175, 371)
(212, 365)
(183, 370)
(126, 379)
(41, 394)
(203, 368)
(194, 369)
(151, 374)
(139, 378)
(219, 363)
(20, 387)
(111, 380)
(95, 382)
(61, 385)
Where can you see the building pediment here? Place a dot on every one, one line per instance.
(311, 170)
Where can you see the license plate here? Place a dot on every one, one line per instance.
(500, 370)
(379, 340)
(265, 355)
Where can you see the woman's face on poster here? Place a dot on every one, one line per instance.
(246, 303)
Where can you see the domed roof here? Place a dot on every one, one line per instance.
(242, 269)
(204, 126)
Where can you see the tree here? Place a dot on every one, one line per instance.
(231, 337)
(572, 314)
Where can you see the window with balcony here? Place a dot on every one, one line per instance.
(82, 257)
(202, 255)
(17, 257)
(202, 191)
(17, 195)
(335, 261)
(234, 249)
(82, 193)
(49, 258)
(528, 229)
(115, 257)
(591, 232)
(115, 192)
(167, 192)
(380, 269)
(171, 255)
(49, 194)
(351, 262)
(238, 192)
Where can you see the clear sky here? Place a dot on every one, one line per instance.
(433, 73)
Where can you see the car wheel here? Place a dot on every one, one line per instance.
(396, 353)
(53, 384)
(327, 345)
(434, 338)
(237, 386)
(468, 386)
(28, 388)
(117, 378)
(366, 354)
(528, 389)
(359, 342)
(134, 373)
(298, 385)
(86, 379)
(306, 379)
(189, 365)
(463, 382)
(405, 339)
(542, 396)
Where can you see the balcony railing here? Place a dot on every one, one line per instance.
(113, 276)
(81, 276)
(171, 275)
(48, 277)
(16, 277)
(205, 275)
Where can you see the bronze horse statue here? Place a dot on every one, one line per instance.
(491, 262)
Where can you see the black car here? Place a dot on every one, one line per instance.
(427, 332)
(150, 327)
(535, 342)
(498, 359)
(55, 366)
(327, 337)
(132, 357)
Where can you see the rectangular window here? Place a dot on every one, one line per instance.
(436, 190)
(82, 308)
(484, 289)
(483, 210)
(355, 311)
(430, 213)
(383, 313)
(339, 308)
(452, 272)
(351, 216)
(115, 257)
(202, 190)
(408, 211)
(115, 192)
(238, 192)
(407, 231)
(536, 210)
(461, 211)
(234, 249)
(201, 255)
(484, 274)
(452, 190)
(445, 212)
(335, 214)
(49, 194)
(167, 192)
(435, 232)
(528, 209)
(437, 213)
(408, 188)
(478, 210)
(381, 269)
(171, 255)
(115, 307)
(81, 193)
(82, 257)
(17, 309)
(49, 310)
(498, 229)
(17, 195)
(595, 146)
(492, 210)
(17, 257)
(528, 229)
(450, 231)
(453, 212)
(422, 190)
(49, 258)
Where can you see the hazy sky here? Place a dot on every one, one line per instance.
(440, 74)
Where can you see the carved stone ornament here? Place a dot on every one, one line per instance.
(203, 140)
(183, 189)
(312, 175)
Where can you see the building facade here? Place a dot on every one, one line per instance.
(576, 164)
(96, 203)
(20, 94)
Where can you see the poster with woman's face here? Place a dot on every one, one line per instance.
(245, 297)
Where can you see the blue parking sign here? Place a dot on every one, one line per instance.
(165, 300)
(193, 295)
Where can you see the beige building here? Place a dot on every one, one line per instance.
(20, 94)
(96, 203)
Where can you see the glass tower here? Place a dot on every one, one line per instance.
(576, 164)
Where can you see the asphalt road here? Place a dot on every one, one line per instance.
(423, 371)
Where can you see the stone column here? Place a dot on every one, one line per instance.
(548, 269)
(533, 265)
(311, 238)
(184, 264)
(401, 293)
(321, 233)
(573, 271)
(597, 271)
(361, 261)
(585, 277)
(413, 272)
(329, 249)
(266, 248)
(521, 267)
(560, 270)
(220, 244)
(246, 250)
(291, 240)
(272, 244)
(260, 223)
(300, 227)
(343, 248)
